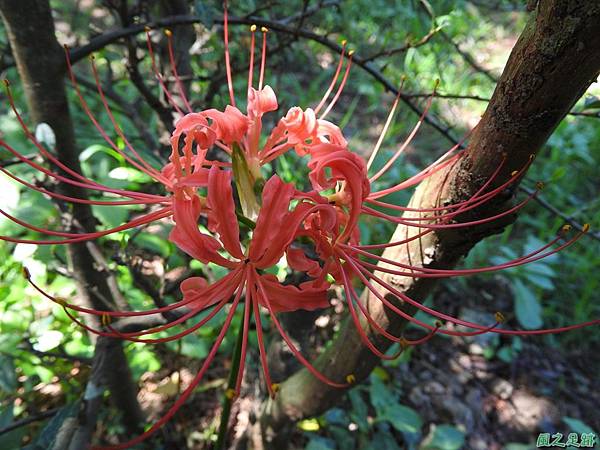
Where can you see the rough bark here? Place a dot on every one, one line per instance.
(555, 59)
(41, 65)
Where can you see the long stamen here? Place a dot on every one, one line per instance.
(408, 139)
(86, 185)
(334, 80)
(341, 86)
(475, 199)
(159, 76)
(227, 61)
(425, 272)
(85, 182)
(386, 126)
(433, 226)
(226, 292)
(464, 323)
(261, 343)
(188, 391)
(351, 296)
(251, 65)
(160, 214)
(457, 205)
(144, 167)
(76, 199)
(291, 345)
(178, 82)
(263, 57)
(244, 349)
(473, 202)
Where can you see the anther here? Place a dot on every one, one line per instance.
(264, 29)
(565, 228)
(275, 388)
(61, 301)
(532, 157)
(404, 343)
(436, 84)
(105, 320)
(351, 52)
(92, 57)
(66, 47)
(350, 379)
(438, 324)
(499, 317)
(168, 33)
(26, 273)
(586, 227)
(344, 42)
(147, 29)
(514, 173)
(230, 394)
(539, 185)
(253, 28)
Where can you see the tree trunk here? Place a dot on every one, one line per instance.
(554, 61)
(41, 64)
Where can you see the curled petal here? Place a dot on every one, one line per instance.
(197, 179)
(345, 167)
(195, 125)
(223, 218)
(275, 209)
(187, 236)
(198, 294)
(297, 260)
(301, 126)
(330, 133)
(261, 101)
(230, 126)
(284, 298)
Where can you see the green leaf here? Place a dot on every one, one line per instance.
(402, 418)
(205, 13)
(112, 216)
(320, 443)
(591, 102)
(129, 174)
(12, 439)
(577, 426)
(359, 411)
(85, 155)
(540, 281)
(153, 243)
(384, 440)
(444, 437)
(342, 438)
(8, 377)
(381, 397)
(527, 307)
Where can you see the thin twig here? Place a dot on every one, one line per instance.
(424, 40)
(27, 420)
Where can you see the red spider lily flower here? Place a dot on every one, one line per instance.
(277, 217)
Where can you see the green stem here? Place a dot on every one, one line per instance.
(228, 398)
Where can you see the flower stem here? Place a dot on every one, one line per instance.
(230, 393)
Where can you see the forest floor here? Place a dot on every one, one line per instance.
(500, 395)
